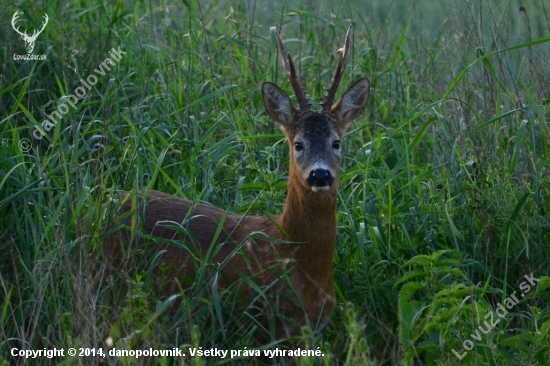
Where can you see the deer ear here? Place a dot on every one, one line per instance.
(352, 103)
(278, 104)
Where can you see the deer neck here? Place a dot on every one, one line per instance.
(309, 219)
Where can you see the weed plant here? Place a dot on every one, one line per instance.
(444, 199)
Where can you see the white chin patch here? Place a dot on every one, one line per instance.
(322, 188)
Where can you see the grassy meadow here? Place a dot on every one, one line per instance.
(444, 201)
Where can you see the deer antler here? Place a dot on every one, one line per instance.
(13, 20)
(36, 33)
(327, 100)
(288, 65)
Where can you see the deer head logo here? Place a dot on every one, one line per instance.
(29, 40)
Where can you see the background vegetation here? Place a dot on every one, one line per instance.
(444, 198)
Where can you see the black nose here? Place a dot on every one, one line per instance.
(320, 173)
(320, 178)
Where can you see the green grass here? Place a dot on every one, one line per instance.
(444, 200)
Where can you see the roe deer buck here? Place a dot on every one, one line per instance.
(308, 219)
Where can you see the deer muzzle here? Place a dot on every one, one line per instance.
(320, 179)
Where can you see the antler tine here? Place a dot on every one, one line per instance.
(282, 54)
(46, 18)
(288, 65)
(36, 32)
(14, 20)
(327, 100)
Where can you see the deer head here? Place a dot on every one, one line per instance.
(315, 137)
(29, 40)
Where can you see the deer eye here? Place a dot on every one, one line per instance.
(336, 144)
(298, 146)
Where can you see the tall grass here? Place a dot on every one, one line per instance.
(444, 198)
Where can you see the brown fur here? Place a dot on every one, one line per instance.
(308, 219)
(252, 245)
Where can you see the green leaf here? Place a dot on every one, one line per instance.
(407, 311)
(517, 145)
